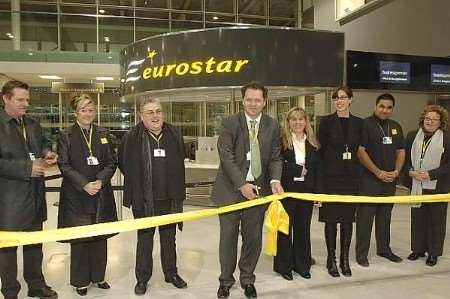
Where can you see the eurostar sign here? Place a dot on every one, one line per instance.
(186, 68)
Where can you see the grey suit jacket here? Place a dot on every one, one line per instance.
(233, 146)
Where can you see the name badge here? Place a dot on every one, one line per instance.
(387, 140)
(159, 153)
(248, 156)
(32, 156)
(92, 161)
(104, 140)
(346, 156)
(299, 179)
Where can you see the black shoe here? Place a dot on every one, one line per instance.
(81, 291)
(363, 262)
(43, 293)
(223, 292)
(249, 291)
(140, 288)
(313, 261)
(431, 260)
(177, 281)
(331, 267)
(415, 256)
(287, 276)
(11, 297)
(391, 256)
(304, 274)
(103, 285)
(344, 264)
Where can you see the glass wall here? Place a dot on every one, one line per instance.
(110, 25)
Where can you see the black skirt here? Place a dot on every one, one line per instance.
(339, 212)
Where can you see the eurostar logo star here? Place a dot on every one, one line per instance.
(151, 54)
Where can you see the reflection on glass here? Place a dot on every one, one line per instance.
(78, 33)
(215, 113)
(283, 106)
(6, 36)
(39, 32)
(115, 33)
(186, 117)
(44, 109)
(257, 8)
(219, 6)
(148, 27)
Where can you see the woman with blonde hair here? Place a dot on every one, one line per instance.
(87, 162)
(428, 169)
(301, 173)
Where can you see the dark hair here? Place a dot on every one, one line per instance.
(254, 85)
(443, 114)
(8, 87)
(385, 96)
(348, 91)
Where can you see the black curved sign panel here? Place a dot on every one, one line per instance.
(232, 57)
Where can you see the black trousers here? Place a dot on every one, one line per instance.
(32, 266)
(88, 262)
(367, 213)
(428, 227)
(144, 252)
(294, 250)
(251, 222)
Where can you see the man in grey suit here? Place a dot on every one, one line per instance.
(250, 165)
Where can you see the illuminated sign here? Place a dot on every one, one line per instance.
(440, 74)
(193, 68)
(61, 87)
(233, 56)
(395, 72)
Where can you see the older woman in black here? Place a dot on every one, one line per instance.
(339, 134)
(428, 169)
(87, 163)
(301, 166)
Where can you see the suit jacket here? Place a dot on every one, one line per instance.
(233, 146)
(22, 198)
(313, 177)
(441, 174)
(76, 206)
(332, 140)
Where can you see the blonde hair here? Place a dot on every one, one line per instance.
(80, 101)
(286, 134)
(443, 114)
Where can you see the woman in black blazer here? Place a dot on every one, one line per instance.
(301, 170)
(87, 162)
(339, 135)
(427, 168)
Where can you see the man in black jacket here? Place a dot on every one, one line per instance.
(151, 157)
(23, 162)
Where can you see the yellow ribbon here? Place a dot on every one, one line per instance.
(8, 239)
(277, 219)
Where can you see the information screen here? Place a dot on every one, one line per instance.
(440, 74)
(395, 72)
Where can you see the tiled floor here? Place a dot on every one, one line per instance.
(198, 264)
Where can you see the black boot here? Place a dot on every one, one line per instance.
(346, 239)
(330, 239)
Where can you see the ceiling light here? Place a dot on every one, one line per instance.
(104, 78)
(50, 77)
(101, 11)
(215, 18)
(10, 35)
(106, 38)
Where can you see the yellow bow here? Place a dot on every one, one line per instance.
(277, 219)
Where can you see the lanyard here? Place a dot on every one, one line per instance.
(156, 139)
(382, 131)
(425, 147)
(88, 142)
(24, 130)
(253, 132)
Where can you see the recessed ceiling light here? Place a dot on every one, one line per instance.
(215, 18)
(104, 78)
(106, 38)
(101, 11)
(50, 77)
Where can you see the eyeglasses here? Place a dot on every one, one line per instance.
(151, 113)
(432, 119)
(340, 98)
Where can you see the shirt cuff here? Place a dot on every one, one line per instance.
(274, 181)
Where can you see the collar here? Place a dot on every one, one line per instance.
(248, 118)
(7, 118)
(294, 137)
(381, 121)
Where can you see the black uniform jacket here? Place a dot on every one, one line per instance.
(313, 179)
(76, 206)
(22, 197)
